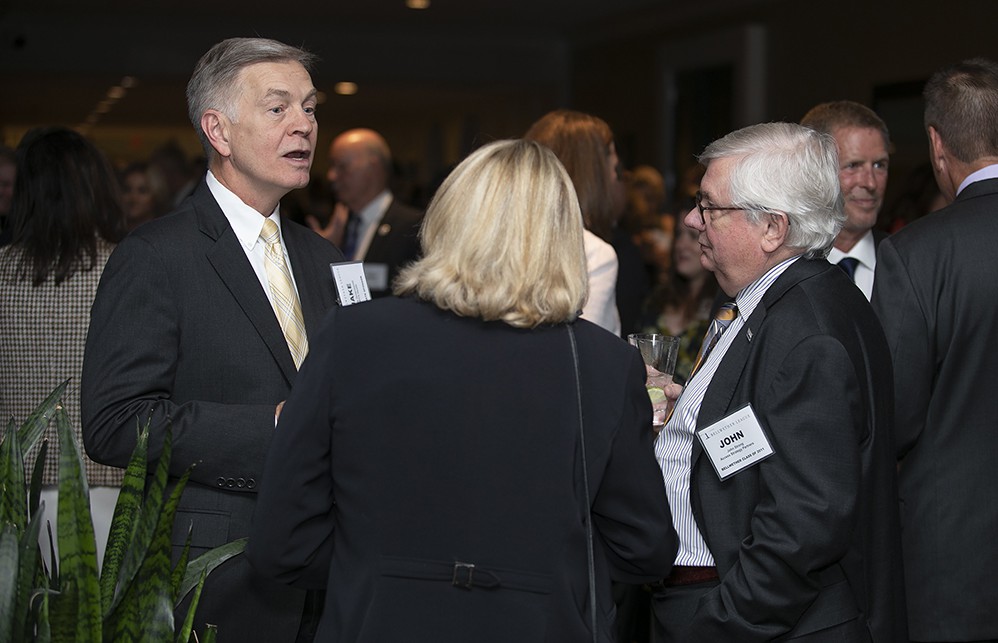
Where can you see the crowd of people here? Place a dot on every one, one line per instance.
(470, 454)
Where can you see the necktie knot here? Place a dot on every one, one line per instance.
(269, 233)
(848, 265)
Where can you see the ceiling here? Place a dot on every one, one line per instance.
(58, 58)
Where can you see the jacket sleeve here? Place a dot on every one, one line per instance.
(129, 370)
(630, 508)
(292, 535)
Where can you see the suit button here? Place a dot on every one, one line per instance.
(220, 482)
(230, 483)
(241, 482)
(251, 483)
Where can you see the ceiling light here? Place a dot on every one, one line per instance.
(345, 88)
(417, 4)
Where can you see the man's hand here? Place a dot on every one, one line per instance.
(332, 231)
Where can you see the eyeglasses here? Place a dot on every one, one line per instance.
(723, 208)
(704, 208)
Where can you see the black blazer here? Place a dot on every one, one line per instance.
(395, 242)
(807, 540)
(417, 443)
(936, 294)
(183, 335)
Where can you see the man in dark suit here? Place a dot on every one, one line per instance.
(368, 223)
(202, 317)
(864, 144)
(937, 297)
(777, 457)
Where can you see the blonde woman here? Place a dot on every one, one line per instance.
(427, 463)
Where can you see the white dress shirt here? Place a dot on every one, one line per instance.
(370, 216)
(865, 251)
(247, 223)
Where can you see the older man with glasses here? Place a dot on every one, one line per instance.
(777, 457)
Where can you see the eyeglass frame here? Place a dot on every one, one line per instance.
(698, 199)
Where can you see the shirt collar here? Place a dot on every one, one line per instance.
(865, 251)
(373, 211)
(244, 220)
(987, 172)
(750, 296)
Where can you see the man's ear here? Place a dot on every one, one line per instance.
(776, 226)
(937, 151)
(217, 128)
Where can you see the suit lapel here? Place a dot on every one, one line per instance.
(230, 263)
(717, 399)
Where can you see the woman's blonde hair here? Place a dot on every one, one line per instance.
(502, 240)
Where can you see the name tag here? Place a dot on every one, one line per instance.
(350, 282)
(377, 275)
(735, 442)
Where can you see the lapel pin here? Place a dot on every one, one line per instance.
(384, 229)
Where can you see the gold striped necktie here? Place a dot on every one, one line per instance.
(282, 290)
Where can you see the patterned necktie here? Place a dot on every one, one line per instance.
(282, 290)
(848, 265)
(725, 315)
(349, 248)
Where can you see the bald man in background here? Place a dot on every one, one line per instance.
(368, 224)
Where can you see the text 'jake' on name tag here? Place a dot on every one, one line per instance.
(735, 442)
(351, 284)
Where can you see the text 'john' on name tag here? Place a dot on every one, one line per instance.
(350, 282)
(735, 442)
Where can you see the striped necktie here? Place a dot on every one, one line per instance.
(725, 315)
(282, 291)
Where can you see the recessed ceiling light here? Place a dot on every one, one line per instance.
(345, 88)
(417, 4)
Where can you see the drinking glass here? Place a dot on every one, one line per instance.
(659, 353)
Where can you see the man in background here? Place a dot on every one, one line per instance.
(937, 296)
(202, 319)
(863, 144)
(369, 224)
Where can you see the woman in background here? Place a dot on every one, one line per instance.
(66, 217)
(584, 145)
(681, 305)
(143, 194)
(427, 470)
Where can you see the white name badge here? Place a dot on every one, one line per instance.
(351, 284)
(735, 442)
(377, 275)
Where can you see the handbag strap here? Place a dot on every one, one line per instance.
(585, 480)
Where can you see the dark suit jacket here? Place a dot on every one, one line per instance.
(806, 540)
(416, 439)
(182, 334)
(936, 294)
(395, 242)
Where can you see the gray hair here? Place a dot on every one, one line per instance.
(788, 168)
(213, 83)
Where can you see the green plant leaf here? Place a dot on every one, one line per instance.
(146, 521)
(151, 590)
(13, 493)
(184, 634)
(35, 491)
(75, 533)
(177, 576)
(8, 581)
(207, 562)
(35, 425)
(210, 634)
(43, 629)
(29, 577)
(125, 520)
